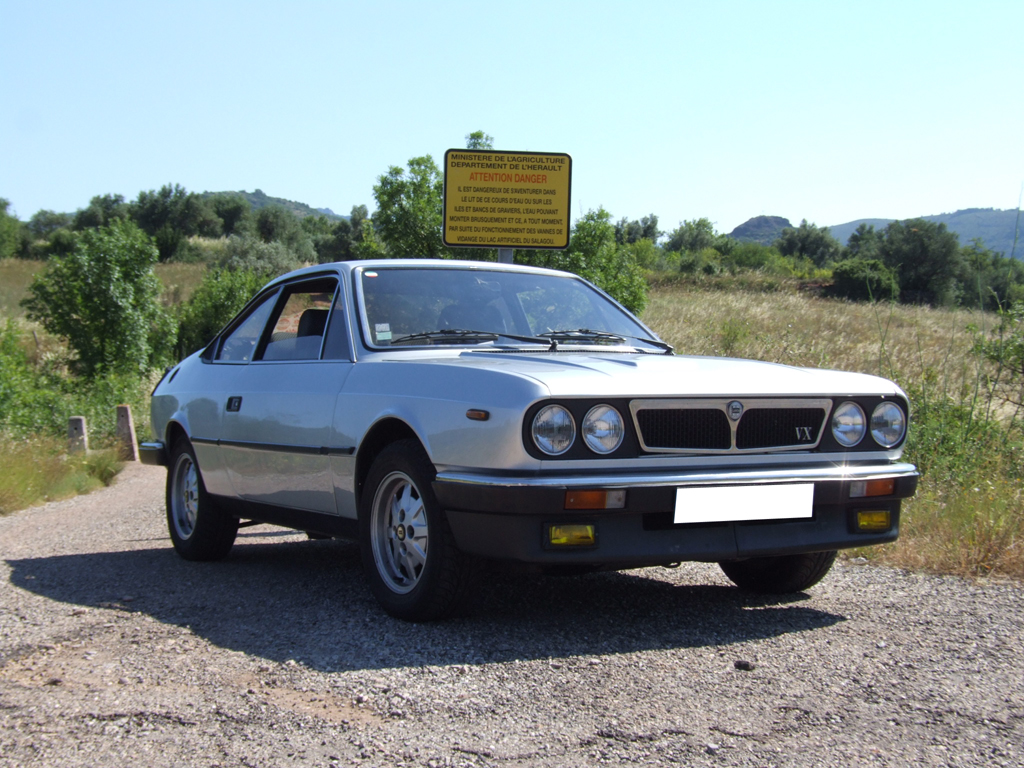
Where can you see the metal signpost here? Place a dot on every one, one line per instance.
(506, 200)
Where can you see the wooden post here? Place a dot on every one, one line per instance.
(129, 448)
(78, 435)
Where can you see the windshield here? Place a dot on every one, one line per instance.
(412, 306)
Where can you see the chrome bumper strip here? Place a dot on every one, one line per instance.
(833, 473)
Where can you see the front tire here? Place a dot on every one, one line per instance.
(779, 575)
(199, 528)
(414, 568)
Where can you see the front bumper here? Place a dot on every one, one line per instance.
(153, 453)
(507, 518)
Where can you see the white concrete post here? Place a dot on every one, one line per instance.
(78, 435)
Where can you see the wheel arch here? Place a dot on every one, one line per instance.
(380, 436)
(173, 431)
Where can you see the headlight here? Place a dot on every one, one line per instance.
(553, 430)
(603, 429)
(848, 424)
(888, 424)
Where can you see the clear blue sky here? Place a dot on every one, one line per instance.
(820, 110)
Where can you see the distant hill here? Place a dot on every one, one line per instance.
(761, 229)
(260, 199)
(993, 226)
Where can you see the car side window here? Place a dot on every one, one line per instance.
(239, 345)
(298, 331)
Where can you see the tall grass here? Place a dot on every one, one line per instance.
(968, 516)
(38, 469)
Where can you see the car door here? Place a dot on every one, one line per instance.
(276, 436)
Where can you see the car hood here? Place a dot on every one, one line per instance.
(605, 374)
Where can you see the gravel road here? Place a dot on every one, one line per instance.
(114, 652)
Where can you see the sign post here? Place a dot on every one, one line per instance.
(506, 200)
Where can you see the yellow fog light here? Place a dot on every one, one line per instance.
(572, 535)
(873, 520)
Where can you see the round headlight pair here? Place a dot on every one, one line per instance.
(888, 424)
(554, 429)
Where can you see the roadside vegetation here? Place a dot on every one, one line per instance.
(94, 304)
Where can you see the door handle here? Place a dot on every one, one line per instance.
(234, 403)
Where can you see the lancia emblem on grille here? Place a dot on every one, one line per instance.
(735, 410)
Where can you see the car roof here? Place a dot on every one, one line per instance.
(347, 267)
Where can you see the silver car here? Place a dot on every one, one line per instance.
(447, 414)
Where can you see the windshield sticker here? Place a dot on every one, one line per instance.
(383, 331)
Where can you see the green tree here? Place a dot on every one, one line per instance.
(810, 242)
(692, 236)
(479, 140)
(44, 223)
(988, 279)
(276, 224)
(170, 215)
(627, 231)
(103, 298)
(408, 217)
(10, 232)
(864, 243)
(233, 210)
(594, 255)
(341, 244)
(643, 252)
(102, 210)
(926, 257)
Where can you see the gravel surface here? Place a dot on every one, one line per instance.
(113, 651)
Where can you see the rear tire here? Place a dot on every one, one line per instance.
(414, 568)
(199, 528)
(779, 575)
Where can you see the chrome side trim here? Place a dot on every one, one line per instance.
(831, 473)
(303, 450)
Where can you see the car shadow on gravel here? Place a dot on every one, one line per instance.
(308, 601)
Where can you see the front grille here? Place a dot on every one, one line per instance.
(778, 424)
(774, 427)
(685, 429)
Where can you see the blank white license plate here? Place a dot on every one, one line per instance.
(744, 502)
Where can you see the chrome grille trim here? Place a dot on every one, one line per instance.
(787, 408)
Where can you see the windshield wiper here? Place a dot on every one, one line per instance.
(447, 336)
(585, 334)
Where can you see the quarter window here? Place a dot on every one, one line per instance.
(239, 345)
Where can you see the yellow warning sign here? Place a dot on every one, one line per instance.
(506, 199)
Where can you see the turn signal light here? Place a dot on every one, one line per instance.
(871, 520)
(595, 499)
(572, 535)
(861, 488)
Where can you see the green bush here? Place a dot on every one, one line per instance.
(40, 399)
(103, 299)
(218, 298)
(706, 261)
(250, 254)
(865, 280)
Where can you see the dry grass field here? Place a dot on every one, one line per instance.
(906, 343)
(968, 516)
(179, 281)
